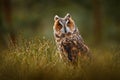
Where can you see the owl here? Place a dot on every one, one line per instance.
(68, 39)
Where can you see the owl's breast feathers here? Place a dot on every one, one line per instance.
(75, 42)
(71, 43)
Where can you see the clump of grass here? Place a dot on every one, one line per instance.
(38, 59)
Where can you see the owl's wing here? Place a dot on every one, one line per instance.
(77, 34)
(80, 42)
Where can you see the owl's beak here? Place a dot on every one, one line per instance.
(65, 29)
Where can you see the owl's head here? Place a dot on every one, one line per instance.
(64, 25)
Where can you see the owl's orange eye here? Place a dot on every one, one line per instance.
(58, 26)
(70, 24)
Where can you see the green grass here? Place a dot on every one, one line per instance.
(38, 59)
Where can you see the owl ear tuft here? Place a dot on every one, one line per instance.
(68, 15)
(56, 17)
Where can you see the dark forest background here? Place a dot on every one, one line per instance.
(98, 20)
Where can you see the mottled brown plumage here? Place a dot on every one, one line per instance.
(68, 39)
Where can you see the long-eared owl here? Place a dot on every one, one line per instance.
(69, 41)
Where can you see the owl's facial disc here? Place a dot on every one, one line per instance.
(65, 28)
(70, 24)
(61, 23)
(67, 21)
(64, 25)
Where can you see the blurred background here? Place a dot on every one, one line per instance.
(97, 20)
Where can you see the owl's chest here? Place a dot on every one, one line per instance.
(66, 44)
